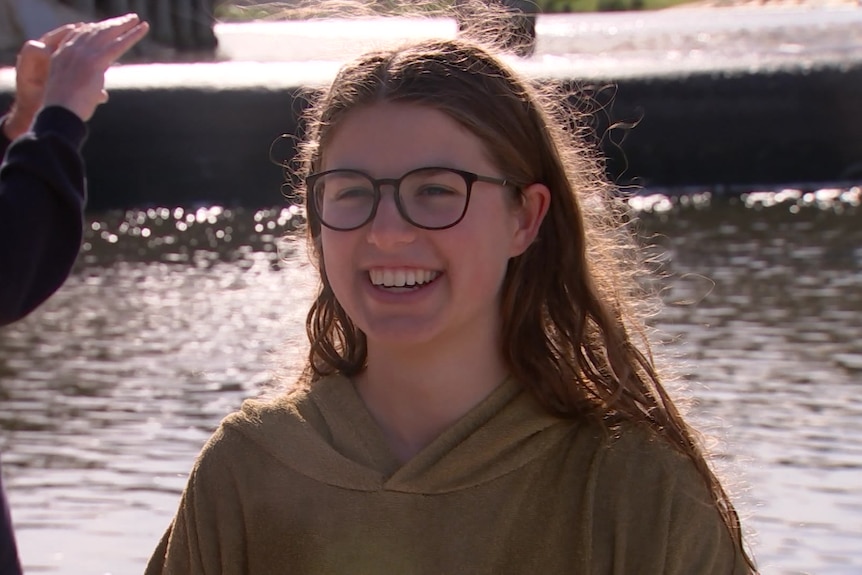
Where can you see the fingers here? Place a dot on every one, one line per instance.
(31, 67)
(124, 22)
(123, 43)
(78, 65)
(55, 37)
(109, 30)
(31, 73)
(33, 49)
(106, 41)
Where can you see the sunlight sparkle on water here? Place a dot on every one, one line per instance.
(156, 337)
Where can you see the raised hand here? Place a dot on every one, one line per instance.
(76, 79)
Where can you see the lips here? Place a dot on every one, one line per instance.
(401, 277)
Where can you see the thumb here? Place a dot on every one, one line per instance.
(32, 47)
(33, 54)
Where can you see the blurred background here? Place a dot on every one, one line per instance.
(733, 128)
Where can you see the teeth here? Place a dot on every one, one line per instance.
(401, 277)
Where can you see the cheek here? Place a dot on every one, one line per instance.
(333, 245)
(482, 258)
(336, 257)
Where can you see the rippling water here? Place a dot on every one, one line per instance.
(171, 318)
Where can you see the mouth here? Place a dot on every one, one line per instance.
(402, 278)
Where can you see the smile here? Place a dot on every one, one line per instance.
(401, 277)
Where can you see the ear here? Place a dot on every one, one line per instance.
(529, 215)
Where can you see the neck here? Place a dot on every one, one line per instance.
(415, 395)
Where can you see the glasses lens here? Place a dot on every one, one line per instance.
(343, 199)
(434, 197)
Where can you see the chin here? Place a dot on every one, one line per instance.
(399, 334)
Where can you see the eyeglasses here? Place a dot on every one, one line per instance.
(429, 198)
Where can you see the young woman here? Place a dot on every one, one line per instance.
(478, 396)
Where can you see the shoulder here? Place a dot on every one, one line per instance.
(273, 425)
(299, 405)
(291, 409)
(651, 502)
(280, 439)
(633, 459)
(631, 445)
(627, 448)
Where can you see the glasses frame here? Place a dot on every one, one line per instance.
(470, 178)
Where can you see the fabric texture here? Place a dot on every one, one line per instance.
(306, 484)
(42, 197)
(9, 562)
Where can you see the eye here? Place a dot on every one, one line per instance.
(432, 190)
(433, 184)
(352, 193)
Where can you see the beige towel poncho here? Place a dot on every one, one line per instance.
(306, 485)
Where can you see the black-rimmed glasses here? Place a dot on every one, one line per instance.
(429, 198)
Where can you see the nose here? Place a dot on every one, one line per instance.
(388, 228)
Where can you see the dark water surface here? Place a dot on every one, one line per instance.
(173, 317)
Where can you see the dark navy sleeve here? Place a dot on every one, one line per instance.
(42, 198)
(9, 562)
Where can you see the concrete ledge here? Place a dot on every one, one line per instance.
(774, 127)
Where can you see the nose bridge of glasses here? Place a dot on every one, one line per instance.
(390, 199)
(388, 203)
(391, 184)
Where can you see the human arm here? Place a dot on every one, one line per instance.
(9, 562)
(42, 188)
(41, 211)
(207, 534)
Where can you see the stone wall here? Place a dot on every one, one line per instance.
(180, 25)
(21, 20)
(720, 131)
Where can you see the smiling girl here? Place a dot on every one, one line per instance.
(479, 396)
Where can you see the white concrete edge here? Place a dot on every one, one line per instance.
(227, 76)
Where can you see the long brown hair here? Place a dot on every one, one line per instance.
(573, 332)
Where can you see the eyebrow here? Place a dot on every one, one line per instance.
(442, 166)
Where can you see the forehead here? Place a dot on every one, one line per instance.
(388, 139)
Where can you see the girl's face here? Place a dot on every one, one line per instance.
(404, 286)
